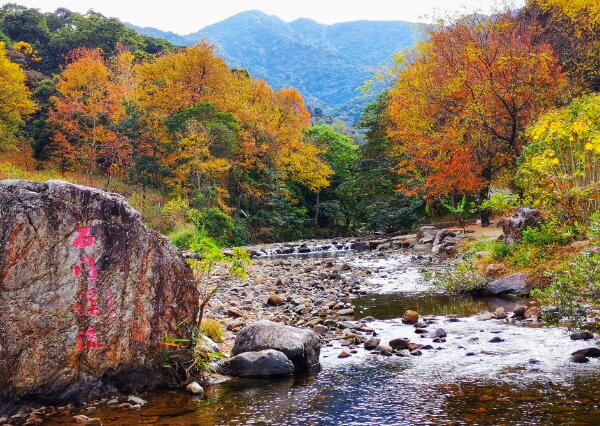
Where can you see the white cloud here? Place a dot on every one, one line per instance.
(183, 16)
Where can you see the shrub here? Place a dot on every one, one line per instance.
(574, 284)
(547, 234)
(464, 278)
(184, 237)
(560, 169)
(499, 203)
(212, 329)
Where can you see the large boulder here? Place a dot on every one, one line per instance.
(520, 219)
(86, 293)
(301, 346)
(267, 363)
(513, 285)
(426, 234)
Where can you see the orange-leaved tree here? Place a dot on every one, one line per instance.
(459, 105)
(84, 112)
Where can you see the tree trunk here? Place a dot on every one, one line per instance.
(485, 214)
(317, 211)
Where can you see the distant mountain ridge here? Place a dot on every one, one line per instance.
(326, 63)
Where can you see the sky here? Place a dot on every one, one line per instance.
(182, 17)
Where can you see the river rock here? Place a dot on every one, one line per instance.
(519, 311)
(532, 312)
(410, 317)
(514, 285)
(520, 219)
(592, 352)
(399, 343)
(372, 343)
(275, 300)
(579, 358)
(440, 332)
(384, 349)
(500, 313)
(88, 292)
(265, 363)
(301, 346)
(582, 335)
(426, 234)
(494, 269)
(195, 388)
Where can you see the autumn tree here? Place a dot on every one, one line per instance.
(572, 28)
(84, 113)
(459, 106)
(262, 138)
(15, 102)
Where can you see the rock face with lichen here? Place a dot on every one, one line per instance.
(87, 293)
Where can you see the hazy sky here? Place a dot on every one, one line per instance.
(182, 16)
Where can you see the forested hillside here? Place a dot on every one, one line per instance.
(327, 63)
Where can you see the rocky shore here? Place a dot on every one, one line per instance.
(312, 284)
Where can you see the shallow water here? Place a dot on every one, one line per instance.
(526, 379)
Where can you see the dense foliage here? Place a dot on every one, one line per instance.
(457, 111)
(560, 171)
(15, 100)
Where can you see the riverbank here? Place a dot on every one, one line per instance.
(465, 359)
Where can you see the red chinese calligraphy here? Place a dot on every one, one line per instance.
(90, 308)
(83, 240)
(90, 262)
(88, 339)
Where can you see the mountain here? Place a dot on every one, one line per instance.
(327, 63)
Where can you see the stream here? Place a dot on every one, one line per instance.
(525, 379)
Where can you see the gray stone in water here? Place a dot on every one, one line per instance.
(195, 388)
(440, 332)
(136, 400)
(372, 343)
(348, 311)
(588, 352)
(267, 363)
(582, 335)
(301, 346)
(519, 311)
(399, 343)
(515, 284)
(579, 358)
(500, 313)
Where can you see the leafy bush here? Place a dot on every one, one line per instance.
(464, 278)
(574, 284)
(184, 237)
(499, 203)
(594, 227)
(546, 234)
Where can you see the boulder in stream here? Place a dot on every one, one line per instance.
(511, 285)
(301, 346)
(87, 293)
(267, 363)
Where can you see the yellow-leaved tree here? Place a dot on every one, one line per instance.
(15, 102)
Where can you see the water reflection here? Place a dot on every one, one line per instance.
(392, 305)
